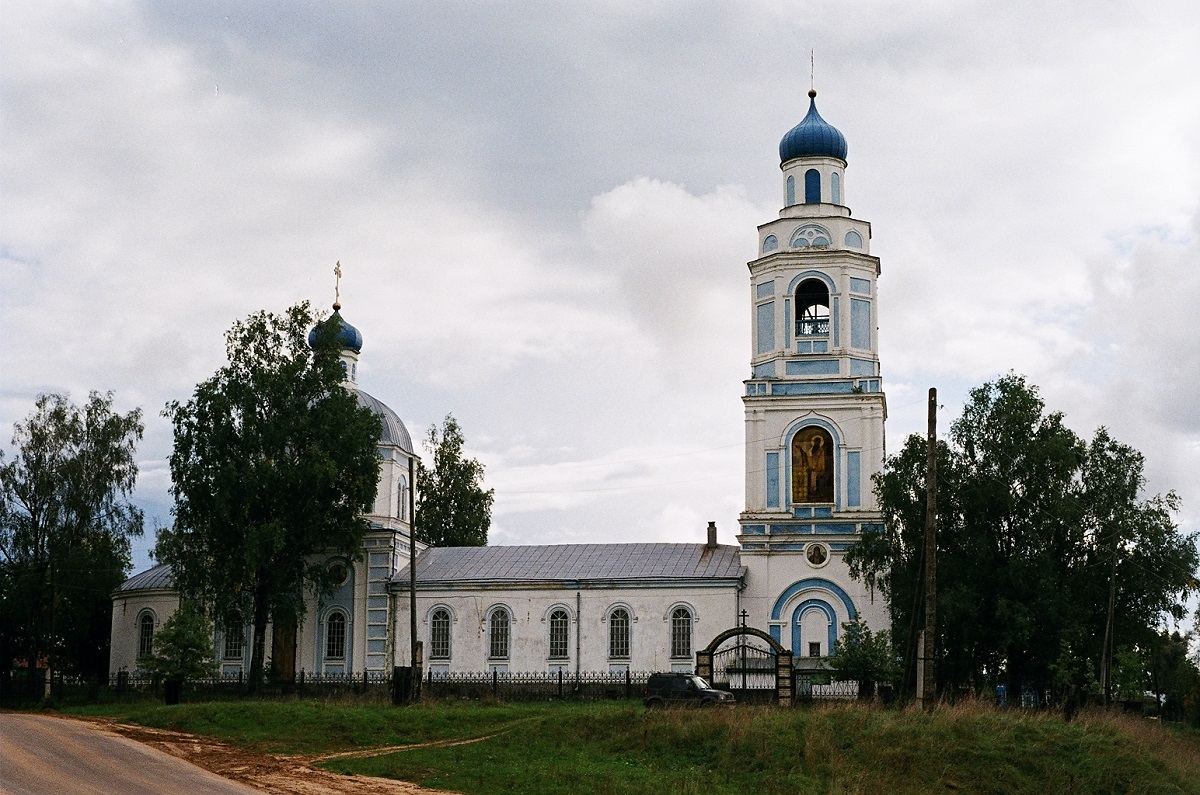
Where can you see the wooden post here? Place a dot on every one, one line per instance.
(927, 690)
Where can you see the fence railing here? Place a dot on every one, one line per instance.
(377, 687)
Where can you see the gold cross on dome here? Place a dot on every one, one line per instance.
(337, 273)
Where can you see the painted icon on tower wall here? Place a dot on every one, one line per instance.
(812, 466)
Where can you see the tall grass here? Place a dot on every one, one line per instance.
(595, 748)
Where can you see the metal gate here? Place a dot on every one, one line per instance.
(750, 664)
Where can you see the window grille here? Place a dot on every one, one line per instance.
(559, 629)
(145, 635)
(439, 635)
(335, 636)
(618, 633)
(681, 632)
(233, 642)
(498, 645)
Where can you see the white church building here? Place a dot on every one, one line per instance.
(815, 412)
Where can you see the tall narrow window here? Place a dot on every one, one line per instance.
(618, 633)
(146, 635)
(335, 636)
(681, 632)
(498, 631)
(812, 186)
(234, 642)
(559, 628)
(439, 634)
(835, 187)
(812, 466)
(402, 500)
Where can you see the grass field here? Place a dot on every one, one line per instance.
(585, 748)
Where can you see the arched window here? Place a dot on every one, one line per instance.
(812, 186)
(402, 500)
(854, 239)
(770, 243)
(560, 627)
(791, 190)
(618, 634)
(145, 634)
(335, 636)
(812, 466)
(812, 309)
(499, 625)
(439, 634)
(835, 187)
(681, 632)
(234, 641)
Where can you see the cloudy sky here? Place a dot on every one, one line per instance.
(544, 212)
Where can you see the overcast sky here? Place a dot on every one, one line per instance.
(544, 211)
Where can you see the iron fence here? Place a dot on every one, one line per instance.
(536, 685)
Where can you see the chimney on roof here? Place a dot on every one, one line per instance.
(712, 535)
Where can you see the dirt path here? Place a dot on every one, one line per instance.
(280, 775)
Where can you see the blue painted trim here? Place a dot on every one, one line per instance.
(765, 370)
(754, 529)
(764, 315)
(791, 190)
(853, 479)
(859, 367)
(798, 615)
(789, 547)
(799, 277)
(790, 529)
(765, 290)
(819, 511)
(860, 286)
(835, 188)
(826, 528)
(860, 324)
(788, 331)
(776, 631)
(772, 480)
(809, 387)
(854, 239)
(837, 325)
(814, 582)
(816, 367)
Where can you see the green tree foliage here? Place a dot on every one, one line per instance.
(1034, 526)
(863, 656)
(183, 647)
(65, 530)
(274, 461)
(453, 509)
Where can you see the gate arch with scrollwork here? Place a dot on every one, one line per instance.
(751, 661)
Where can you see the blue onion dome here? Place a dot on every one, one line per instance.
(348, 336)
(812, 137)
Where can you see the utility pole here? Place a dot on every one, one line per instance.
(928, 689)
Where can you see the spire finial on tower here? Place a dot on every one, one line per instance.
(337, 283)
(812, 71)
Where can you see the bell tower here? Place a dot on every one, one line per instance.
(814, 401)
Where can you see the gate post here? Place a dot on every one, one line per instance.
(704, 665)
(783, 678)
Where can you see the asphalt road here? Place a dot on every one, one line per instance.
(57, 756)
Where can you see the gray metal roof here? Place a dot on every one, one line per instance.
(573, 562)
(158, 578)
(394, 432)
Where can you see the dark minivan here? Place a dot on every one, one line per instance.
(684, 689)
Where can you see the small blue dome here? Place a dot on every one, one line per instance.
(813, 137)
(347, 336)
